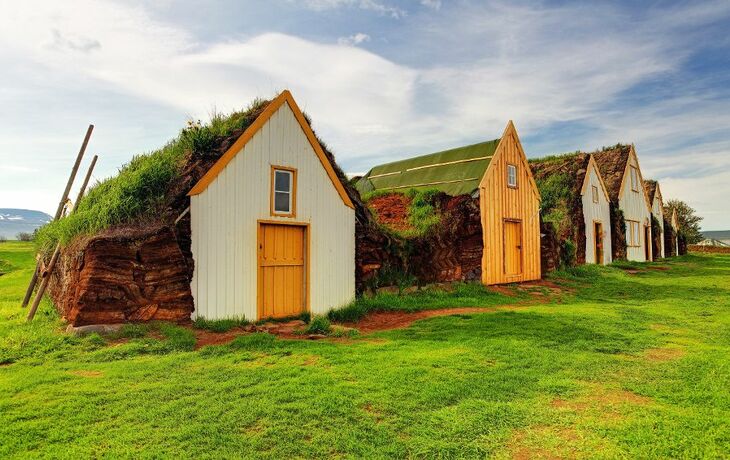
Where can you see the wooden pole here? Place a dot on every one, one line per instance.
(57, 252)
(64, 197)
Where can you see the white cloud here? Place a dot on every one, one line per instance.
(528, 64)
(433, 4)
(354, 39)
(370, 5)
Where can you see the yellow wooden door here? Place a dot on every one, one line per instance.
(282, 280)
(512, 248)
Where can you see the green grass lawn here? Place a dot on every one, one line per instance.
(633, 365)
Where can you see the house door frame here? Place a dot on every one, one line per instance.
(259, 256)
(647, 243)
(521, 248)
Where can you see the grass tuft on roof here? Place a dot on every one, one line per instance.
(140, 191)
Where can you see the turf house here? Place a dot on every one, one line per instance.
(273, 229)
(485, 200)
(247, 215)
(674, 235)
(576, 202)
(631, 209)
(657, 221)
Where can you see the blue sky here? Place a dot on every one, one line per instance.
(381, 79)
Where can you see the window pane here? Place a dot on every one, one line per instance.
(511, 175)
(281, 202)
(282, 181)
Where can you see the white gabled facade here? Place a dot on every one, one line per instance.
(596, 209)
(634, 202)
(229, 205)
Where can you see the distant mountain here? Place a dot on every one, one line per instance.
(721, 235)
(717, 234)
(14, 221)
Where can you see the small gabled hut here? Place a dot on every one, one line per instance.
(272, 226)
(494, 173)
(657, 212)
(619, 167)
(270, 232)
(576, 202)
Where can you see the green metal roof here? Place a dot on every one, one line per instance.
(456, 172)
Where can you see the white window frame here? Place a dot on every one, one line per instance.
(291, 173)
(511, 175)
(594, 193)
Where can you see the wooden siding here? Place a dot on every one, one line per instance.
(635, 208)
(500, 203)
(225, 219)
(596, 212)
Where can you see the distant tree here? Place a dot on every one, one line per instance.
(689, 222)
(24, 236)
(3, 238)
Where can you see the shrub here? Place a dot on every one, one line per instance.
(388, 275)
(178, 337)
(567, 254)
(319, 325)
(421, 214)
(221, 325)
(24, 236)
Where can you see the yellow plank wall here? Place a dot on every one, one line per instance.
(499, 202)
(225, 225)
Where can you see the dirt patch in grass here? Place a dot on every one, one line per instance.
(311, 360)
(576, 406)
(551, 286)
(544, 442)
(663, 354)
(601, 402)
(502, 289)
(615, 397)
(92, 374)
(373, 412)
(387, 320)
(204, 337)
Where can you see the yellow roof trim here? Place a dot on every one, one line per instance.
(281, 99)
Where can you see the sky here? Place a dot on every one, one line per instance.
(381, 79)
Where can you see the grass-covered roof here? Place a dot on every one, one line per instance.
(153, 186)
(651, 187)
(455, 172)
(611, 163)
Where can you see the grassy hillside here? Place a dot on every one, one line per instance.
(634, 364)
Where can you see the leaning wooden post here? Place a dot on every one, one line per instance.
(61, 204)
(57, 252)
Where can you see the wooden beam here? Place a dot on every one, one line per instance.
(64, 197)
(57, 251)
